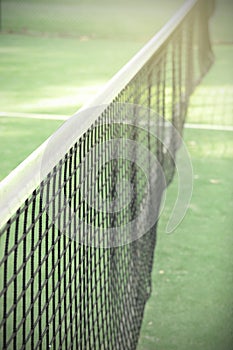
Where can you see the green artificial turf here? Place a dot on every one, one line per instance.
(191, 306)
(54, 66)
(19, 137)
(44, 75)
(48, 85)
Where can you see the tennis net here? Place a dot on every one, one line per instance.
(73, 274)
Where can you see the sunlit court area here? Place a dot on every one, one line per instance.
(83, 264)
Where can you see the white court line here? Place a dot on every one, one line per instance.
(34, 116)
(209, 127)
(65, 117)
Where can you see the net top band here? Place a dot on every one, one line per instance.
(24, 179)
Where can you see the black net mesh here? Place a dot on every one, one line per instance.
(59, 291)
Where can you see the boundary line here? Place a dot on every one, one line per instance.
(34, 116)
(66, 117)
(208, 127)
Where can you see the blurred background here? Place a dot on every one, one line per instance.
(54, 56)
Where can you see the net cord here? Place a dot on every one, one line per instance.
(23, 180)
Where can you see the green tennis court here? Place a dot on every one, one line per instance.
(56, 73)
